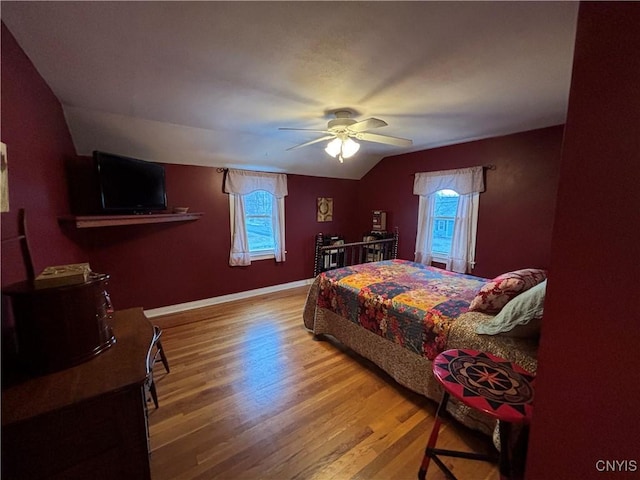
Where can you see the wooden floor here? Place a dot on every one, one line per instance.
(251, 395)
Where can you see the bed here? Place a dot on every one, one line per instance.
(400, 315)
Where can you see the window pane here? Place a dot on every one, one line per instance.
(258, 211)
(443, 222)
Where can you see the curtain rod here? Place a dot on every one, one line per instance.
(491, 166)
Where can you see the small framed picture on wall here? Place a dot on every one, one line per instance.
(325, 209)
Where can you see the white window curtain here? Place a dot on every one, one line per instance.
(242, 182)
(468, 183)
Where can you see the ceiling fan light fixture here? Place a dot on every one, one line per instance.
(341, 131)
(349, 148)
(342, 148)
(333, 147)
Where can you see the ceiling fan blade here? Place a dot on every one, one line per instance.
(321, 139)
(367, 124)
(374, 137)
(304, 130)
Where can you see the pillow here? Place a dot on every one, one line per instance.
(521, 317)
(495, 294)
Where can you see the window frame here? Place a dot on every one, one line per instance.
(266, 253)
(468, 183)
(442, 257)
(257, 254)
(238, 183)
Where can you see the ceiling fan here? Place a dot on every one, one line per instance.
(343, 129)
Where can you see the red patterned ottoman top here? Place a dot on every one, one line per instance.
(487, 383)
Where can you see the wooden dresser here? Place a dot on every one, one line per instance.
(62, 326)
(88, 421)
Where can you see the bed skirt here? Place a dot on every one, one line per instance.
(414, 371)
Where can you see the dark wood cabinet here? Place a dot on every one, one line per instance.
(60, 327)
(87, 421)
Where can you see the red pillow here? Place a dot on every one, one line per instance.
(495, 294)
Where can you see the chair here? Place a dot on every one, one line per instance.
(11, 366)
(155, 351)
(23, 241)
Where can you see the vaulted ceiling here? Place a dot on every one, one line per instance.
(210, 83)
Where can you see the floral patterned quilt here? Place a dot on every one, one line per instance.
(408, 303)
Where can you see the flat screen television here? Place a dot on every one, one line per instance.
(128, 185)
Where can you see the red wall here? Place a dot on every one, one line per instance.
(38, 145)
(150, 265)
(587, 387)
(516, 210)
(586, 404)
(166, 264)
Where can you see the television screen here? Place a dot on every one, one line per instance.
(128, 185)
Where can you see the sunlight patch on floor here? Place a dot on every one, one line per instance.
(264, 368)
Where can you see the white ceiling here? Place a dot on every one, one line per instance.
(209, 83)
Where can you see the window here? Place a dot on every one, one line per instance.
(256, 211)
(446, 205)
(448, 217)
(258, 215)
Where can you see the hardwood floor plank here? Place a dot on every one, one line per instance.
(251, 395)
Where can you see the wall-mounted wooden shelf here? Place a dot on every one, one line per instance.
(92, 221)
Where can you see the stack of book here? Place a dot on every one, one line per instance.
(63, 275)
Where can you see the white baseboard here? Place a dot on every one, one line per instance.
(207, 302)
